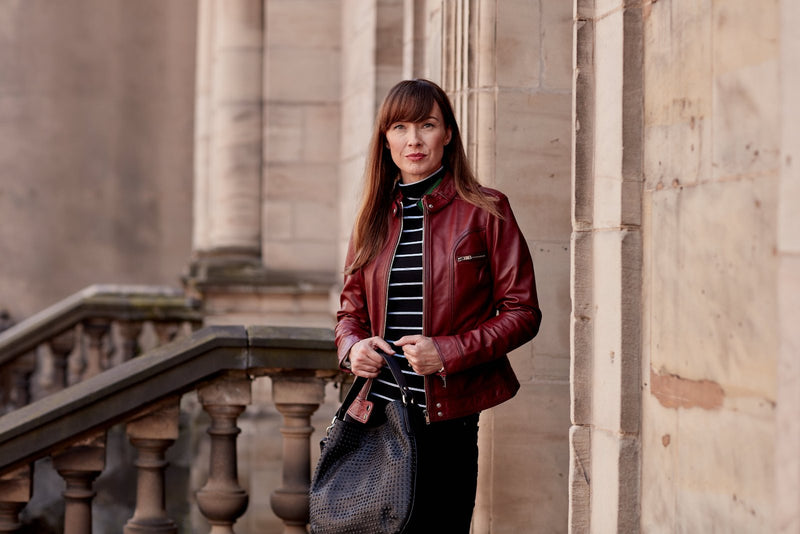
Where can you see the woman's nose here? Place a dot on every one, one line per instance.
(413, 136)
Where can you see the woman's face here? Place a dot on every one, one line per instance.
(417, 147)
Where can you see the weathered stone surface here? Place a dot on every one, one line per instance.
(725, 335)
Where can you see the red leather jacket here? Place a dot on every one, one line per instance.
(479, 301)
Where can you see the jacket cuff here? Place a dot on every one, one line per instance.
(344, 351)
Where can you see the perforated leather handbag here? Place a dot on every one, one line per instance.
(364, 480)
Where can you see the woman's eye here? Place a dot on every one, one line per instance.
(398, 127)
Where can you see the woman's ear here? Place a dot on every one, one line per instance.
(448, 137)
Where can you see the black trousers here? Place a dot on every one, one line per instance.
(447, 476)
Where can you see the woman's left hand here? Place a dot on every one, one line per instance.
(421, 354)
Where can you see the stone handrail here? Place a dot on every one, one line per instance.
(86, 333)
(220, 363)
(113, 302)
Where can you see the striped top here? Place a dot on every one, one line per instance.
(404, 307)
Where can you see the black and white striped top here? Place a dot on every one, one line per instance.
(404, 307)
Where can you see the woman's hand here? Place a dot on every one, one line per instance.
(421, 354)
(364, 360)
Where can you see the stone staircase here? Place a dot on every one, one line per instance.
(74, 373)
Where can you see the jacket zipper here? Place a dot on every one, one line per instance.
(425, 259)
(389, 275)
(425, 329)
(470, 257)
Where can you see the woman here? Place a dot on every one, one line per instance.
(438, 274)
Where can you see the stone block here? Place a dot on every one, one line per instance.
(161, 423)
(580, 472)
(615, 340)
(728, 329)
(285, 132)
(556, 38)
(314, 221)
(581, 327)
(277, 221)
(237, 76)
(17, 486)
(533, 161)
(230, 390)
(746, 136)
(583, 133)
(301, 256)
(551, 262)
(303, 23)
(239, 23)
(659, 465)
(319, 144)
(303, 75)
(787, 461)
(788, 214)
(518, 44)
(534, 426)
(725, 470)
(312, 182)
(609, 70)
(678, 78)
(289, 390)
(615, 473)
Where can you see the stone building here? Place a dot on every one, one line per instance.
(647, 148)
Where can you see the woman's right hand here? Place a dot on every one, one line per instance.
(364, 360)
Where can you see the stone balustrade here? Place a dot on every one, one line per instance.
(219, 363)
(86, 333)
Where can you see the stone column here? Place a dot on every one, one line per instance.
(606, 266)
(228, 137)
(296, 399)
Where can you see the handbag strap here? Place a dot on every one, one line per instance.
(358, 384)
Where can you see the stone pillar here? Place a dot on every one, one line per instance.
(16, 489)
(228, 138)
(606, 267)
(222, 501)
(152, 434)
(79, 466)
(296, 399)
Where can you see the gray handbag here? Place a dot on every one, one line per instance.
(365, 478)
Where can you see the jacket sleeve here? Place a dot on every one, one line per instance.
(353, 322)
(516, 304)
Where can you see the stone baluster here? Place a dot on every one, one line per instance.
(296, 399)
(152, 434)
(129, 332)
(61, 347)
(97, 332)
(79, 466)
(166, 331)
(222, 501)
(20, 371)
(16, 489)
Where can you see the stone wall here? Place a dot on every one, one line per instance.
(96, 118)
(712, 147)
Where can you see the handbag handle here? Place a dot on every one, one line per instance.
(405, 392)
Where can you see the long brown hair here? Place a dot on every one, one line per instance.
(409, 100)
